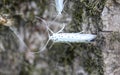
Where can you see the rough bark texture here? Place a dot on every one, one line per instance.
(11, 60)
(111, 48)
(101, 57)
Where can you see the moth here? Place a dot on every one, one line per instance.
(59, 37)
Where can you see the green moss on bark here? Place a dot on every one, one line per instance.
(86, 10)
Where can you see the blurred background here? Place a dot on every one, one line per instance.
(22, 34)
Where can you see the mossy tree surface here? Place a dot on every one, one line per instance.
(86, 17)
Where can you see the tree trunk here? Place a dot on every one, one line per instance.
(111, 47)
(101, 57)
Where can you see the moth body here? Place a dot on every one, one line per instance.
(72, 37)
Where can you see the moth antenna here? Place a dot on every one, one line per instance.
(48, 29)
(45, 24)
(42, 49)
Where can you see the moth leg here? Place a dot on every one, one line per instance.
(52, 4)
(64, 5)
(61, 29)
(51, 45)
(69, 44)
(81, 32)
(45, 45)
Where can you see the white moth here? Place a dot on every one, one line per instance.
(59, 37)
(71, 37)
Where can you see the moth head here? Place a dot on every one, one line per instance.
(92, 38)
